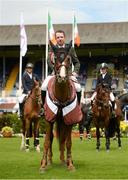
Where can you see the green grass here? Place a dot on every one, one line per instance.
(90, 164)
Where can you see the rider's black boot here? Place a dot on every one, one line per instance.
(113, 108)
(21, 109)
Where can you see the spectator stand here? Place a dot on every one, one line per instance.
(94, 82)
(126, 113)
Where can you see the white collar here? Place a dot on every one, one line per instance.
(61, 46)
(30, 75)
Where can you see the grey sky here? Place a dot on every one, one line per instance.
(61, 11)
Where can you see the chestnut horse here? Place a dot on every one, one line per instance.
(31, 111)
(102, 116)
(60, 99)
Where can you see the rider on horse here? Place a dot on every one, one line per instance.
(60, 40)
(27, 84)
(105, 79)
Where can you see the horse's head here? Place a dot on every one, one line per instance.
(36, 91)
(103, 94)
(62, 60)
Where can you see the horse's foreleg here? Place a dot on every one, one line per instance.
(81, 130)
(50, 154)
(107, 139)
(62, 140)
(69, 146)
(118, 135)
(98, 138)
(36, 135)
(27, 134)
(47, 145)
(22, 147)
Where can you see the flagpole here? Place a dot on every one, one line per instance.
(73, 38)
(46, 52)
(20, 74)
(73, 31)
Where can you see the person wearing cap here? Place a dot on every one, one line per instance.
(60, 40)
(27, 84)
(105, 78)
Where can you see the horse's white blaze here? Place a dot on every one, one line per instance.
(62, 71)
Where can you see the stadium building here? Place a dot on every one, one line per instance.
(100, 42)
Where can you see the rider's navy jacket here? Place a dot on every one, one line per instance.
(27, 82)
(106, 80)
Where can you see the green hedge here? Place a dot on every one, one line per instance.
(12, 120)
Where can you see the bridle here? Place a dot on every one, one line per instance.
(61, 71)
(102, 98)
(37, 94)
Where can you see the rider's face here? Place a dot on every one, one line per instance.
(60, 38)
(103, 70)
(29, 70)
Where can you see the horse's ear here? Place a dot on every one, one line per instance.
(54, 48)
(69, 46)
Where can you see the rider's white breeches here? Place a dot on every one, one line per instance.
(45, 84)
(93, 96)
(21, 98)
(112, 97)
(76, 84)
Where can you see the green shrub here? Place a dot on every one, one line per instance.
(42, 126)
(10, 120)
(6, 129)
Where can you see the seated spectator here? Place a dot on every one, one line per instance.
(126, 83)
(94, 83)
(114, 83)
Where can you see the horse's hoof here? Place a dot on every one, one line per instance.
(63, 163)
(42, 170)
(120, 147)
(27, 150)
(49, 163)
(22, 148)
(107, 150)
(38, 148)
(71, 168)
(97, 150)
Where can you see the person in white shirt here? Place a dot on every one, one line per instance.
(60, 40)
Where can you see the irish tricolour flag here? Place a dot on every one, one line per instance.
(76, 33)
(51, 30)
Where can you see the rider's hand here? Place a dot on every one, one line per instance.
(75, 74)
(29, 92)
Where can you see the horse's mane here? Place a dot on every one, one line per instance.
(102, 88)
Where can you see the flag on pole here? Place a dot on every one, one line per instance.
(76, 33)
(51, 30)
(23, 38)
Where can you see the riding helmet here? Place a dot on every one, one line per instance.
(29, 65)
(103, 65)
